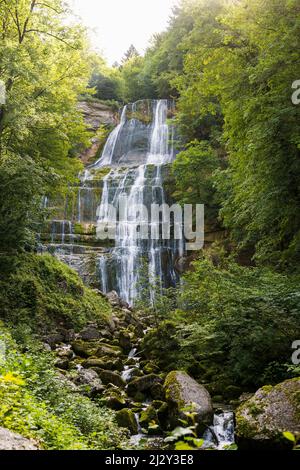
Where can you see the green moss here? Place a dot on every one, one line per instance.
(42, 293)
(126, 419)
(172, 389)
(84, 229)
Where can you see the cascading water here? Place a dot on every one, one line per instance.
(142, 185)
(132, 164)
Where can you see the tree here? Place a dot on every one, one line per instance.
(43, 63)
(131, 53)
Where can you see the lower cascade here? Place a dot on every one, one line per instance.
(132, 169)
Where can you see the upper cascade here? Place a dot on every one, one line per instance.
(143, 136)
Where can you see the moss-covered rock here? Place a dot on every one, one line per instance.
(84, 349)
(147, 416)
(114, 401)
(182, 392)
(126, 419)
(108, 350)
(110, 377)
(141, 384)
(262, 419)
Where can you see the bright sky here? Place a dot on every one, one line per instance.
(116, 24)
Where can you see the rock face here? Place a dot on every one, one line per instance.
(95, 114)
(11, 441)
(262, 419)
(181, 392)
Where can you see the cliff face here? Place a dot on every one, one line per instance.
(100, 119)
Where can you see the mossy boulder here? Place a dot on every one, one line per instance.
(182, 392)
(147, 416)
(114, 401)
(126, 419)
(108, 350)
(142, 384)
(84, 349)
(110, 377)
(106, 363)
(261, 420)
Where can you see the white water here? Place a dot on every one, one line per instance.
(141, 188)
(221, 434)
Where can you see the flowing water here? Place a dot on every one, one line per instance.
(138, 153)
(133, 164)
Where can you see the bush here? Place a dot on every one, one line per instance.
(235, 325)
(38, 404)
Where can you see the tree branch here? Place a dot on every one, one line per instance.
(52, 35)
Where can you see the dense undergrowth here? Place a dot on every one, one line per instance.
(38, 295)
(233, 329)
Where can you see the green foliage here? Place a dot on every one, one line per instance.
(237, 78)
(38, 404)
(193, 171)
(22, 185)
(235, 325)
(41, 292)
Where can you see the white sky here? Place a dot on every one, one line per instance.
(115, 24)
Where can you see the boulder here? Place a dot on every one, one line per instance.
(106, 363)
(261, 420)
(109, 377)
(148, 416)
(126, 419)
(114, 401)
(90, 383)
(125, 341)
(142, 384)
(113, 298)
(12, 441)
(84, 349)
(182, 392)
(108, 350)
(62, 363)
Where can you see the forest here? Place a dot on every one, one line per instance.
(86, 360)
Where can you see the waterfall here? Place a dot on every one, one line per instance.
(134, 162)
(143, 185)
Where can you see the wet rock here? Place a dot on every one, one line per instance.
(183, 391)
(261, 420)
(12, 441)
(142, 384)
(126, 419)
(113, 298)
(147, 416)
(90, 333)
(109, 377)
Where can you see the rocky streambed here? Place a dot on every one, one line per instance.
(106, 363)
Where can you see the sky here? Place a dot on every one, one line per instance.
(116, 24)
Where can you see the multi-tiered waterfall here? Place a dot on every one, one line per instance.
(134, 258)
(131, 169)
